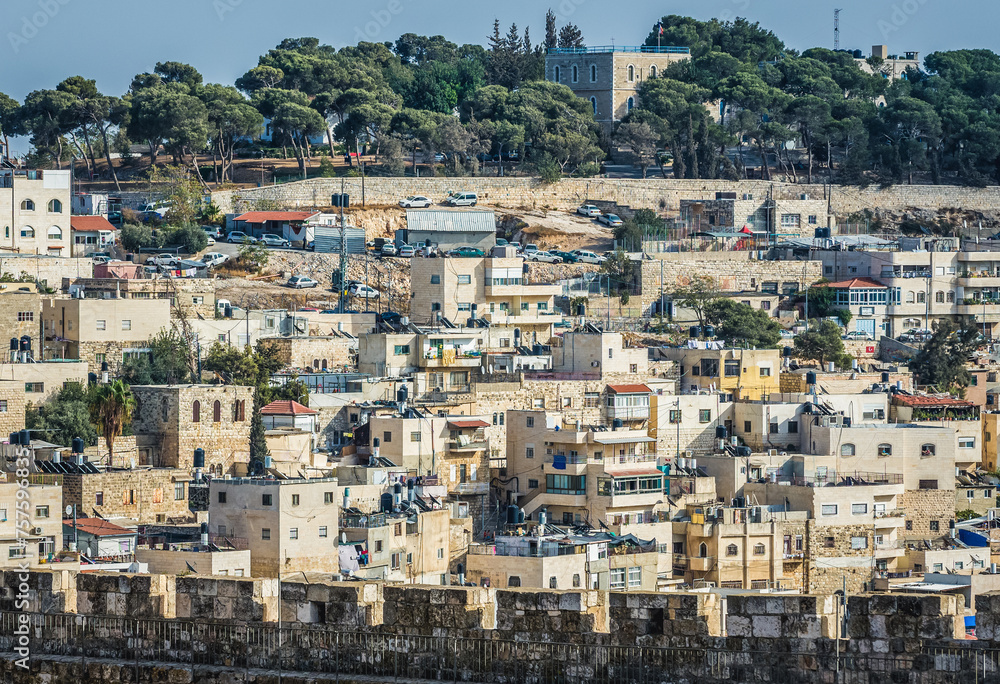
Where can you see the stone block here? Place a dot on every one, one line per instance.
(766, 626)
(739, 626)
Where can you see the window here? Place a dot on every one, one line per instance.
(858, 543)
(3, 406)
(884, 450)
(514, 581)
(921, 297)
(558, 74)
(705, 416)
(652, 71)
(55, 233)
(813, 220)
(266, 499)
(435, 280)
(196, 412)
(790, 220)
(631, 104)
(927, 450)
(178, 491)
(593, 104)
(435, 306)
(591, 399)
(295, 499)
(265, 533)
(322, 532)
(567, 402)
(41, 511)
(759, 550)
(793, 427)
(631, 74)
(966, 442)
(765, 372)
(222, 497)
(769, 287)
(401, 350)
(617, 578)
(28, 232)
(939, 297)
(970, 493)
(847, 450)
(576, 73)
(829, 509)
(464, 279)
(414, 436)
(464, 306)
(239, 410)
(635, 577)
(950, 296)
(732, 369)
(25, 316)
(538, 403)
(935, 526)
(675, 416)
(532, 484)
(959, 565)
(732, 550)
(765, 306)
(55, 207)
(576, 581)
(859, 509)
(529, 452)
(217, 412)
(293, 533)
(395, 560)
(529, 422)
(386, 437)
(34, 387)
(28, 205)
(909, 525)
(98, 499)
(553, 583)
(774, 428)
(593, 73)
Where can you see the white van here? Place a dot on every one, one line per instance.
(463, 199)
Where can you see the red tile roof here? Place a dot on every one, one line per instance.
(91, 223)
(265, 216)
(461, 424)
(98, 527)
(930, 401)
(287, 408)
(853, 283)
(630, 389)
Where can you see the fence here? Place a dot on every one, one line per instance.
(388, 657)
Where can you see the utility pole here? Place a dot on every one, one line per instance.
(836, 29)
(342, 298)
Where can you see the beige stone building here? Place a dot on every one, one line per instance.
(20, 316)
(35, 205)
(411, 545)
(609, 77)
(599, 355)
(178, 559)
(315, 353)
(442, 363)
(13, 406)
(289, 525)
(743, 374)
(142, 495)
(39, 527)
(191, 296)
(171, 421)
(45, 379)
(99, 330)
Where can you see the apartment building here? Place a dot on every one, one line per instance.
(408, 543)
(44, 379)
(35, 205)
(288, 525)
(21, 316)
(100, 330)
(35, 535)
(593, 353)
(891, 67)
(142, 495)
(609, 77)
(172, 421)
(441, 362)
(741, 374)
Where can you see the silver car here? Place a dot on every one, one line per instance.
(544, 257)
(301, 282)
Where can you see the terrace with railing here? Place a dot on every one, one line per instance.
(603, 49)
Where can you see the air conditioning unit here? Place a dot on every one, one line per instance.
(37, 530)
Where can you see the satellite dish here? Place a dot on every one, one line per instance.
(69, 511)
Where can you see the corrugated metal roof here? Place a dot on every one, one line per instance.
(452, 221)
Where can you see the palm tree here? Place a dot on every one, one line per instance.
(111, 408)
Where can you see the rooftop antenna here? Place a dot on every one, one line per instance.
(836, 29)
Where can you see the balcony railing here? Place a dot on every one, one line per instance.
(852, 479)
(600, 49)
(542, 551)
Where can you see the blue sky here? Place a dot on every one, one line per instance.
(44, 41)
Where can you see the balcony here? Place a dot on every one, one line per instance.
(452, 361)
(627, 412)
(895, 518)
(523, 290)
(458, 446)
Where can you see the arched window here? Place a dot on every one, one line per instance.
(501, 417)
(631, 103)
(239, 406)
(939, 297)
(884, 450)
(323, 364)
(927, 450)
(732, 550)
(576, 580)
(910, 298)
(847, 450)
(593, 73)
(921, 298)
(576, 73)
(315, 364)
(759, 550)
(217, 412)
(164, 412)
(55, 233)
(55, 207)
(513, 581)
(28, 205)
(652, 71)
(593, 103)
(27, 232)
(950, 296)
(631, 73)
(196, 412)
(494, 419)
(243, 410)
(558, 79)
(703, 550)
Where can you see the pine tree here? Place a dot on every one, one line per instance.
(570, 36)
(258, 442)
(551, 35)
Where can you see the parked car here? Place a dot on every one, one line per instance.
(589, 210)
(585, 257)
(101, 259)
(211, 240)
(539, 255)
(567, 257)
(390, 317)
(162, 260)
(859, 335)
(501, 242)
(213, 232)
(214, 259)
(298, 282)
(462, 199)
(389, 249)
(272, 240)
(466, 252)
(238, 238)
(363, 291)
(407, 252)
(610, 220)
(529, 248)
(415, 202)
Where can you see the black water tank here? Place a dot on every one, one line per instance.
(78, 445)
(199, 458)
(91, 378)
(822, 233)
(228, 311)
(810, 378)
(709, 331)
(397, 488)
(386, 503)
(787, 352)
(517, 336)
(520, 516)
(512, 514)
(743, 452)
(14, 345)
(885, 377)
(105, 367)
(25, 438)
(695, 331)
(402, 393)
(617, 424)
(25, 343)
(204, 528)
(721, 432)
(15, 438)
(376, 442)
(581, 310)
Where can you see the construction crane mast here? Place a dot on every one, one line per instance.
(836, 29)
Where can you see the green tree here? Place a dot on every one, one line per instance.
(741, 324)
(169, 362)
(622, 272)
(697, 294)
(183, 195)
(135, 238)
(47, 116)
(111, 408)
(941, 362)
(190, 238)
(822, 342)
(254, 257)
(64, 417)
(641, 140)
(823, 303)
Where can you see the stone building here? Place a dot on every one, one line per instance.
(35, 205)
(39, 525)
(191, 296)
(799, 217)
(171, 421)
(143, 495)
(411, 544)
(21, 316)
(316, 353)
(43, 380)
(743, 374)
(610, 77)
(599, 355)
(288, 525)
(13, 406)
